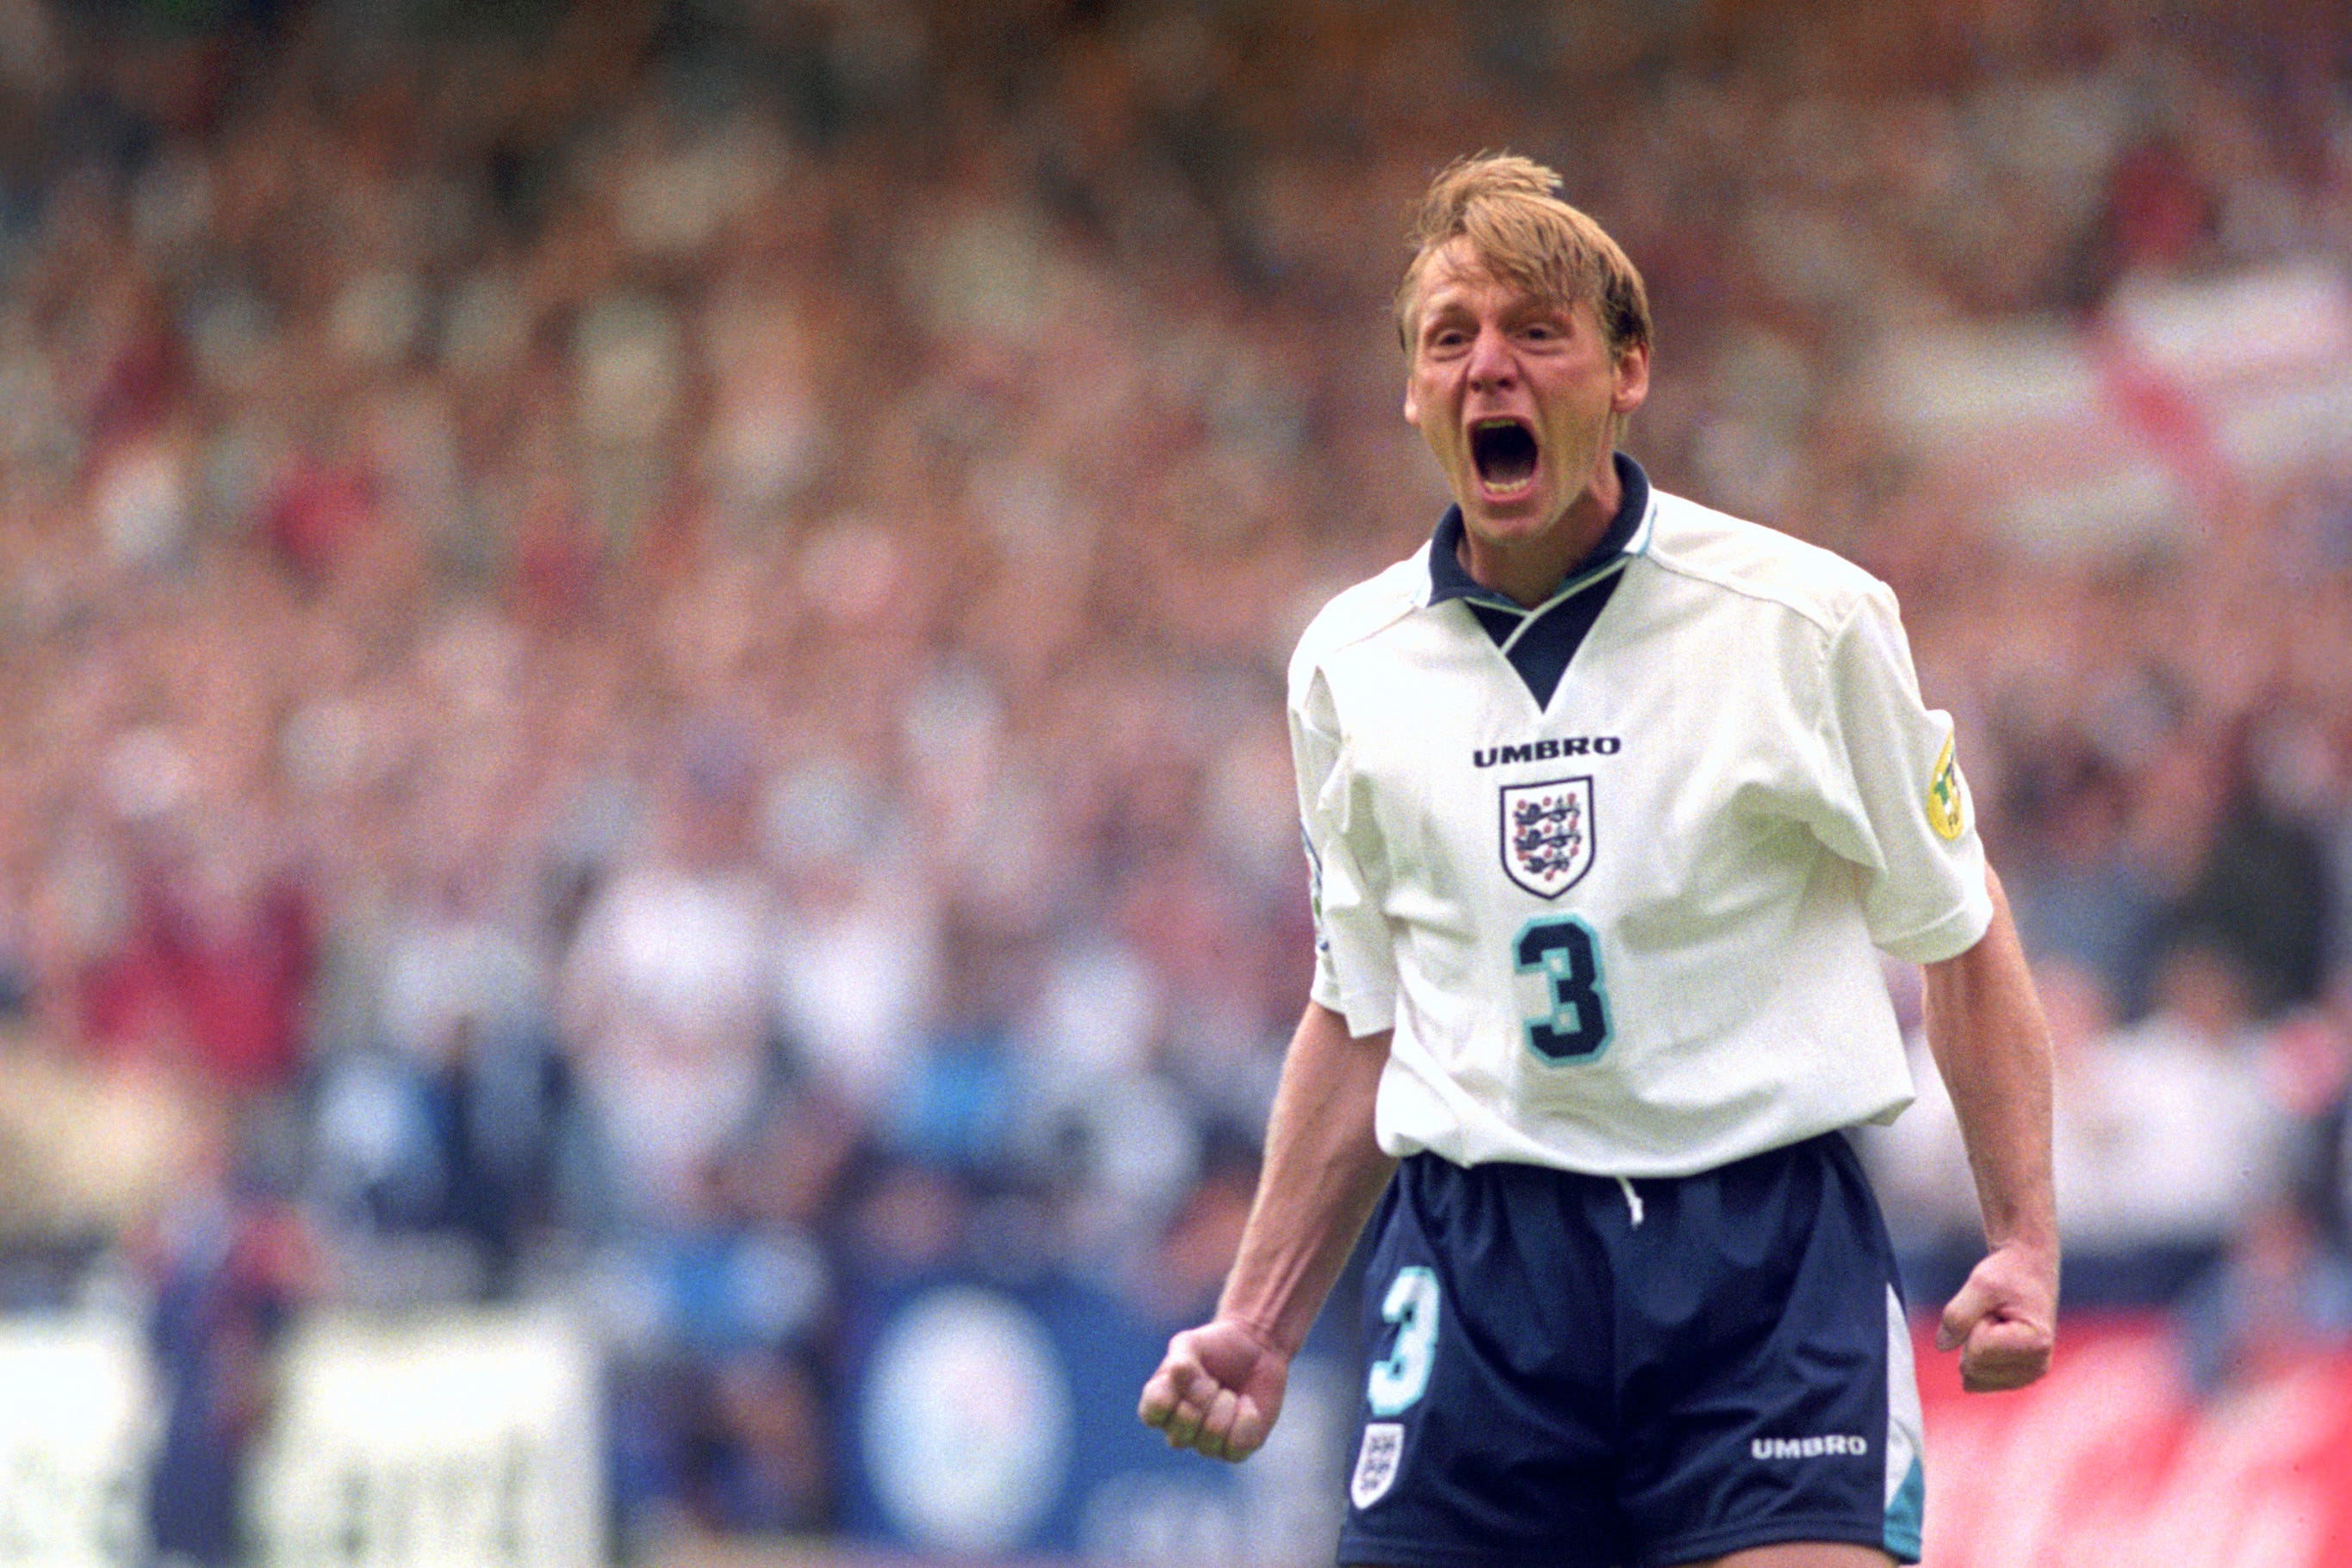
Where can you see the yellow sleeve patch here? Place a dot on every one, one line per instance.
(1946, 794)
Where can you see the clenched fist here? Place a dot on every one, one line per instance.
(1217, 1390)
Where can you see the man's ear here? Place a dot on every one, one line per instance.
(1412, 407)
(1633, 373)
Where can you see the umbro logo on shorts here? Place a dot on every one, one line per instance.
(1807, 1447)
(1377, 1462)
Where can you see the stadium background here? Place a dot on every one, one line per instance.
(643, 806)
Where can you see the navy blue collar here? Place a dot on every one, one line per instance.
(1448, 579)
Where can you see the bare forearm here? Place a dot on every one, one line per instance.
(1322, 1177)
(1985, 1026)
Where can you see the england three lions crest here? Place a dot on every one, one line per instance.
(1547, 834)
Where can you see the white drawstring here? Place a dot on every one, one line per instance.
(1632, 1201)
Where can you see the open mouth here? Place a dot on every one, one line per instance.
(1503, 451)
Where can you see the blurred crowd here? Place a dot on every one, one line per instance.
(644, 641)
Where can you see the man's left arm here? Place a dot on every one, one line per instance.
(1985, 1027)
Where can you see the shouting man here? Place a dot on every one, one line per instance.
(1610, 801)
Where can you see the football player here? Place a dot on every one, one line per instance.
(1612, 802)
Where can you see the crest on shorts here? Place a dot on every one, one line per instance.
(1377, 1463)
(1547, 834)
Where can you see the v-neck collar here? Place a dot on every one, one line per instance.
(1539, 643)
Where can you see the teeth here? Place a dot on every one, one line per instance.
(1504, 454)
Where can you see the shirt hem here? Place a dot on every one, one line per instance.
(1365, 1015)
(1947, 938)
(1403, 1145)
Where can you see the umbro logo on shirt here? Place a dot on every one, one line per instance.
(1548, 750)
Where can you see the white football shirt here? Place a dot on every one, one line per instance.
(1621, 913)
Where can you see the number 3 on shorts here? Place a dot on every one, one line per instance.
(1400, 1381)
(1561, 948)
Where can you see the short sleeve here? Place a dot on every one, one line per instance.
(1355, 963)
(1895, 800)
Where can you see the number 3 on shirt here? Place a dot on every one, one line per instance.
(1560, 947)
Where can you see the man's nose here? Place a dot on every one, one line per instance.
(1491, 366)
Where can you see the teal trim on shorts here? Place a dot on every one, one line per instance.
(1905, 1515)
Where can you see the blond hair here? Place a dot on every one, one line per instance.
(1523, 234)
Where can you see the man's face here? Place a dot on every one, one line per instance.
(1517, 397)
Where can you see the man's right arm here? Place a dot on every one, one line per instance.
(1985, 1027)
(1220, 1386)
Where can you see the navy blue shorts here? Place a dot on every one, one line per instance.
(1569, 1374)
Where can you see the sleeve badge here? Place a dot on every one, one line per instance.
(1947, 796)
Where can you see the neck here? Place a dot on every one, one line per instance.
(1528, 571)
